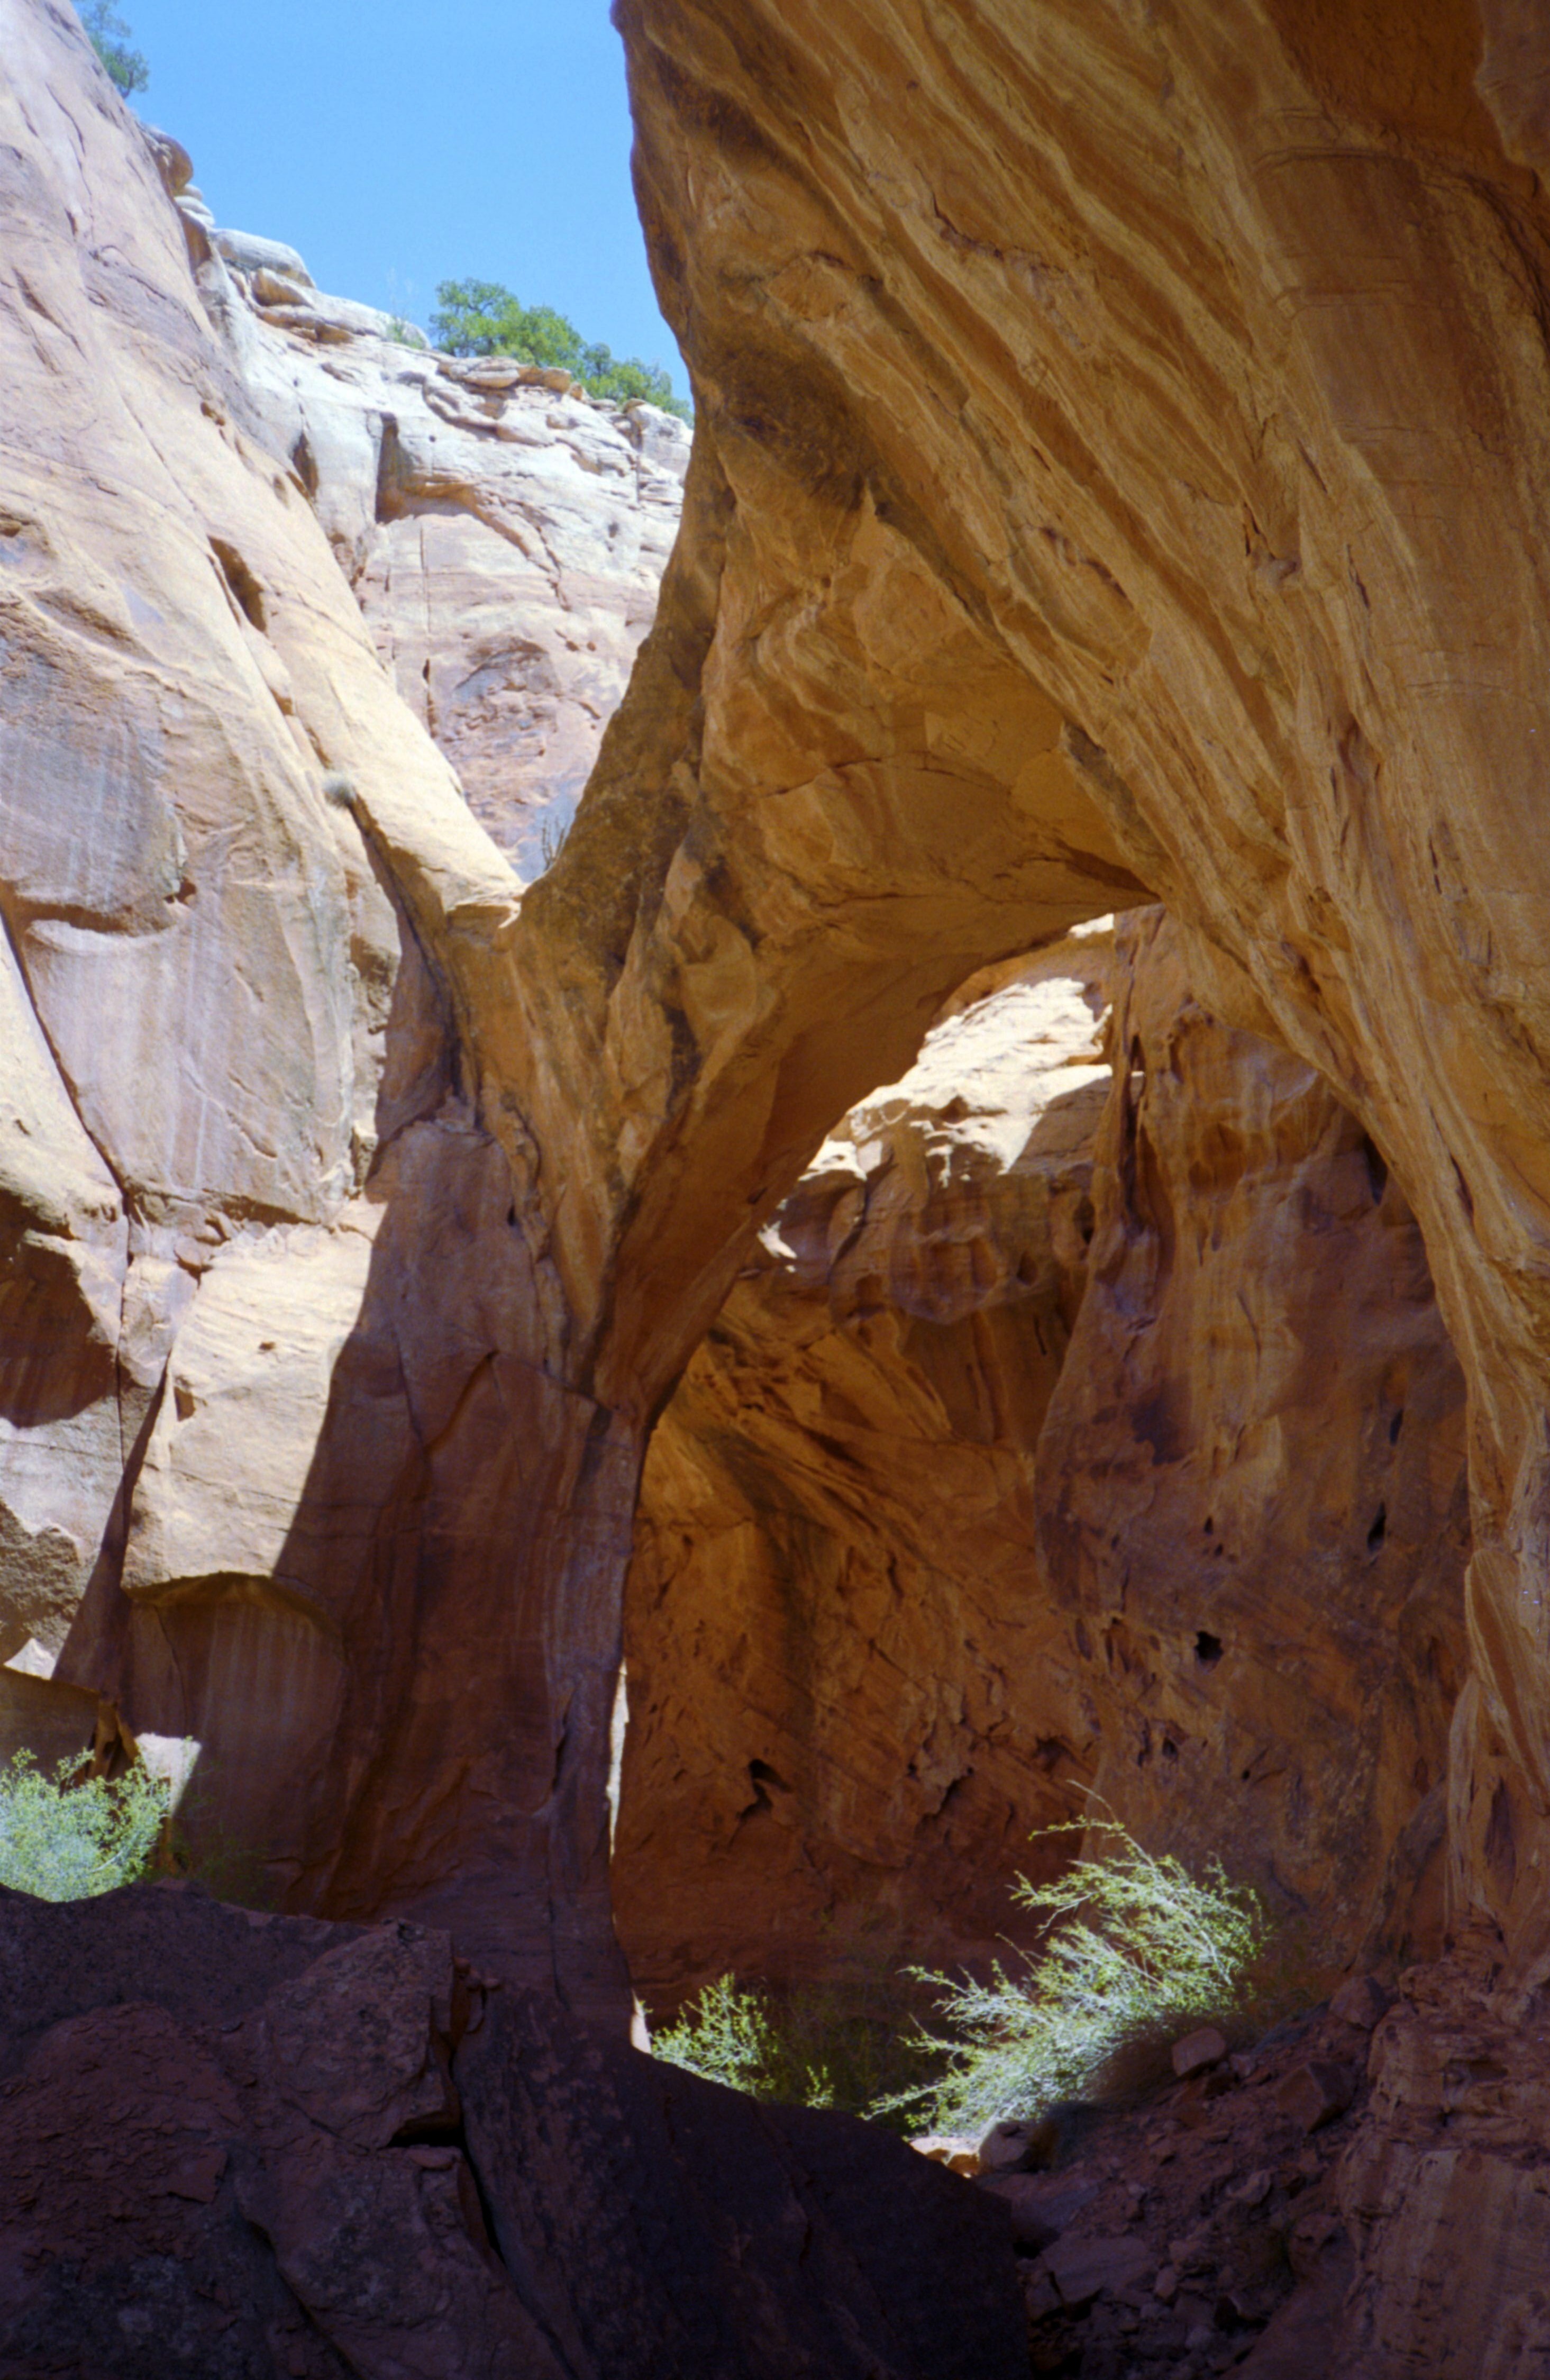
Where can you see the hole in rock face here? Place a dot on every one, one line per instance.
(305, 464)
(243, 587)
(1379, 1529)
(1395, 1426)
(1169, 1749)
(1207, 1649)
(1378, 1167)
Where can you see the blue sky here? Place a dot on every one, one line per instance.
(412, 142)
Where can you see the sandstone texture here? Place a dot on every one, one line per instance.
(1080, 1428)
(849, 1701)
(395, 1196)
(1194, 362)
(1251, 1483)
(504, 536)
(246, 906)
(244, 2145)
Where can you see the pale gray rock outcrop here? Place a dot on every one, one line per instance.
(505, 534)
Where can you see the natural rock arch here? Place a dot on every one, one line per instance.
(1112, 430)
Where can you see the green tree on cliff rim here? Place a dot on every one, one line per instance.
(110, 37)
(483, 318)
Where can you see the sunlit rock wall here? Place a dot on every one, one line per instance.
(1077, 1432)
(848, 1699)
(1197, 356)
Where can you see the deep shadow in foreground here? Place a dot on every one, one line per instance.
(234, 2146)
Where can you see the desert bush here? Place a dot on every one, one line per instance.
(484, 318)
(65, 1840)
(847, 2045)
(1138, 1951)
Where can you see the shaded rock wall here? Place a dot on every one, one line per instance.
(1251, 1483)
(1038, 554)
(245, 908)
(1197, 358)
(1075, 1430)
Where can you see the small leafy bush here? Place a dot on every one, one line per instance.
(61, 1841)
(110, 36)
(1138, 1951)
(818, 2046)
(731, 2036)
(483, 318)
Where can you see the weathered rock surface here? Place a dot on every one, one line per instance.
(1251, 1478)
(1077, 1427)
(849, 1701)
(246, 908)
(244, 2146)
(1196, 358)
(506, 536)
(488, 1162)
(1396, 2228)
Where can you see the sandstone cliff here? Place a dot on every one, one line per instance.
(1117, 474)
(1192, 363)
(398, 1198)
(850, 1697)
(1076, 1432)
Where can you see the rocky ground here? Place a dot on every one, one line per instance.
(1202, 2231)
(1360, 2194)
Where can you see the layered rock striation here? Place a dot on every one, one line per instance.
(504, 533)
(423, 1187)
(850, 1698)
(1194, 363)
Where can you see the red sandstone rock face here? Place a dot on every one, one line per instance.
(1196, 358)
(1075, 1430)
(367, 1541)
(850, 1699)
(1251, 1478)
(1045, 544)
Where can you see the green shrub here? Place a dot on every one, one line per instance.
(483, 318)
(67, 1841)
(109, 36)
(1138, 1953)
(817, 2046)
(730, 2036)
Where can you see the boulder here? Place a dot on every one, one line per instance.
(1011, 2148)
(240, 2142)
(1364, 2001)
(249, 254)
(1316, 2094)
(1198, 2052)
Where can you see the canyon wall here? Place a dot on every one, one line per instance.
(1038, 554)
(393, 1196)
(248, 913)
(850, 1698)
(1077, 1430)
(1196, 358)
